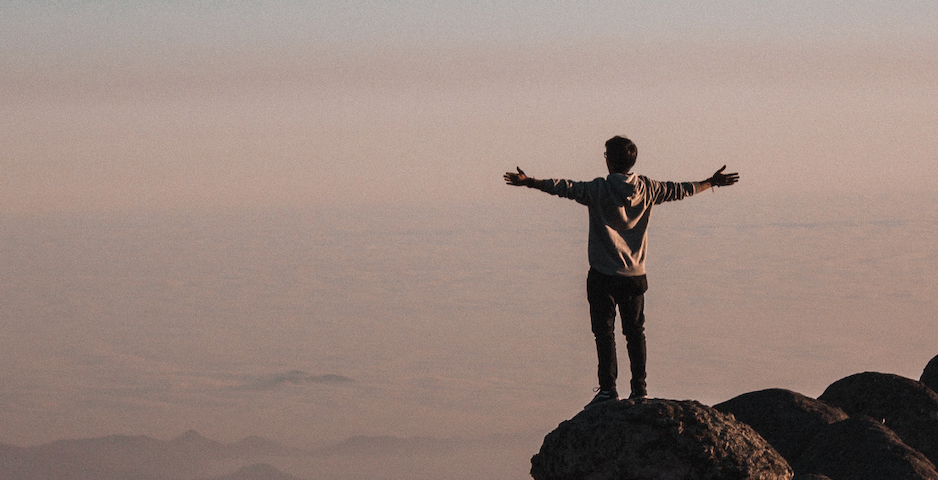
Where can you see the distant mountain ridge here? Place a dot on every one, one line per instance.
(384, 445)
(186, 457)
(260, 471)
(125, 457)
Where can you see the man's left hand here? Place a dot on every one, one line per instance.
(720, 179)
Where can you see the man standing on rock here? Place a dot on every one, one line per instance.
(619, 209)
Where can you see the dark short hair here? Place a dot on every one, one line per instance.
(621, 153)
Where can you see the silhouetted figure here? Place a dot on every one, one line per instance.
(619, 209)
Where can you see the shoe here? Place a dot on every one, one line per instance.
(602, 397)
(638, 395)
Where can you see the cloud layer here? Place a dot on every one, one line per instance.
(293, 377)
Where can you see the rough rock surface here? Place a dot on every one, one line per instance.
(905, 406)
(861, 448)
(930, 375)
(787, 419)
(656, 439)
(810, 476)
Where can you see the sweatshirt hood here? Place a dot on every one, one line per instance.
(621, 188)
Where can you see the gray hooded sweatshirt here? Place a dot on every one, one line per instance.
(619, 209)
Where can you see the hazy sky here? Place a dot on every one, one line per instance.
(154, 105)
(117, 117)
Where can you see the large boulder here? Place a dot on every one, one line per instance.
(860, 448)
(930, 374)
(787, 419)
(905, 406)
(656, 439)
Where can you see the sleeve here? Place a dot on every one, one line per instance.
(578, 191)
(671, 191)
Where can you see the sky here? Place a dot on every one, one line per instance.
(175, 174)
(161, 105)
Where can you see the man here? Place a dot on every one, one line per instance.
(619, 208)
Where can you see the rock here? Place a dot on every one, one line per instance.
(810, 476)
(860, 448)
(656, 439)
(907, 407)
(786, 419)
(930, 375)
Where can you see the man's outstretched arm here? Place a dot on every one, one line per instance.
(719, 179)
(522, 180)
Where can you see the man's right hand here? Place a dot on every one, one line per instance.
(517, 179)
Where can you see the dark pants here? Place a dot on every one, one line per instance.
(604, 293)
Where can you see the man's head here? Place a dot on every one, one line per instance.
(620, 154)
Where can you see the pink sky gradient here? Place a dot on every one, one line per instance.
(164, 106)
